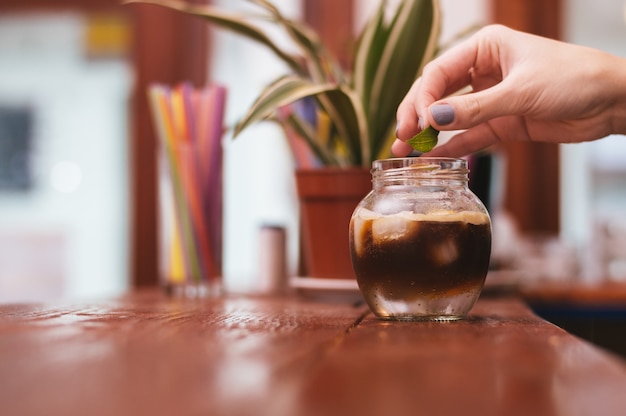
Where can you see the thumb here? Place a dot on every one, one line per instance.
(465, 111)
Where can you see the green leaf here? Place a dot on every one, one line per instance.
(236, 23)
(425, 140)
(340, 103)
(309, 135)
(319, 62)
(412, 42)
(345, 109)
(285, 90)
(369, 49)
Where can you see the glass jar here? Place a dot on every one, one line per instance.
(420, 241)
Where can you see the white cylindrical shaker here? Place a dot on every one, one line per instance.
(272, 259)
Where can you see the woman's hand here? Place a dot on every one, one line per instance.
(523, 87)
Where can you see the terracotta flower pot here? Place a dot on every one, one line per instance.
(327, 199)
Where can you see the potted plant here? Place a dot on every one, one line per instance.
(343, 118)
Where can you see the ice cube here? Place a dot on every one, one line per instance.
(445, 252)
(361, 223)
(367, 214)
(393, 227)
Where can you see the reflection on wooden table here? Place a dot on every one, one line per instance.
(241, 355)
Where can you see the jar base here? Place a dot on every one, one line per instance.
(422, 318)
(423, 308)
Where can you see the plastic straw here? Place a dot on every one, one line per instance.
(190, 128)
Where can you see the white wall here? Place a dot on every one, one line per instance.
(78, 206)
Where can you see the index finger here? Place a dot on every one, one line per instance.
(441, 77)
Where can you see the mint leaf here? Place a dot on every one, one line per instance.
(425, 140)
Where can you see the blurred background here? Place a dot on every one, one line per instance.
(77, 162)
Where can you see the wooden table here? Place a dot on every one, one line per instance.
(595, 311)
(147, 354)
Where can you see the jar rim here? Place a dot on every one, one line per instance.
(426, 165)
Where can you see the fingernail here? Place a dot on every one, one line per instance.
(421, 124)
(442, 113)
(397, 128)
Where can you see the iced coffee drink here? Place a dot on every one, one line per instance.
(426, 265)
(421, 240)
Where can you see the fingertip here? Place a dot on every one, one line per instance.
(408, 127)
(408, 122)
(421, 123)
(400, 148)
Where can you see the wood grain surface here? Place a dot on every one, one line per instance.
(146, 354)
